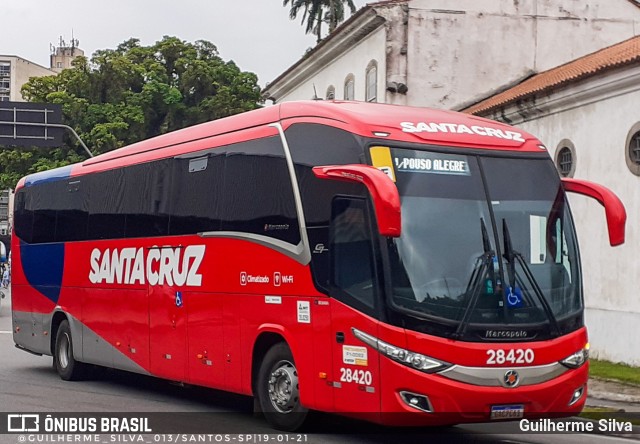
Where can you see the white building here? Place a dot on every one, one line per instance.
(15, 72)
(62, 55)
(585, 112)
(447, 53)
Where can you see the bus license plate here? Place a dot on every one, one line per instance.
(507, 411)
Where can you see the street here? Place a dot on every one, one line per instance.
(28, 383)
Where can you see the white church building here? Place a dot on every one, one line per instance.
(585, 112)
(555, 68)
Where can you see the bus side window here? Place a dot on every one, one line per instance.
(197, 188)
(23, 216)
(44, 213)
(106, 217)
(258, 195)
(351, 249)
(72, 210)
(146, 201)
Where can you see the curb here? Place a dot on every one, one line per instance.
(615, 397)
(614, 391)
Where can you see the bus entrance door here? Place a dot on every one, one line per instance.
(356, 372)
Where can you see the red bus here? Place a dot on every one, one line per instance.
(402, 265)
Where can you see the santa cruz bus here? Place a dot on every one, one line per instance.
(402, 265)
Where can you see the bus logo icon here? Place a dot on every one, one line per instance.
(511, 378)
(23, 423)
(243, 278)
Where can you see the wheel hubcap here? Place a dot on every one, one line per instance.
(283, 387)
(63, 351)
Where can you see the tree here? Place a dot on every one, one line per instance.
(131, 93)
(316, 12)
(335, 12)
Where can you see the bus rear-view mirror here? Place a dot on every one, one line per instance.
(383, 191)
(613, 206)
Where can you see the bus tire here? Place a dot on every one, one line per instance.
(278, 391)
(65, 364)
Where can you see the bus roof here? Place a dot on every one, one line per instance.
(375, 120)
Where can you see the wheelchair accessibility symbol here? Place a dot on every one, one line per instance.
(514, 297)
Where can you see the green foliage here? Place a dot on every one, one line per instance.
(124, 95)
(614, 371)
(317, 12)
(17, 162)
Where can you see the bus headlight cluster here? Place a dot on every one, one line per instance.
(576, 359)
(410, 359)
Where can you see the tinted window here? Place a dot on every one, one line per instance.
(353, 271)
(197, 187)
(107, 194)
(44, 222)
(244, 187)
(23, 216)
(146, 202)
(45, 200)
(51, 212)
(315, 145)
(72, 215)
(258, 195)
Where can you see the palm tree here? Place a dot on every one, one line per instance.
(318, 11)
(335, 13)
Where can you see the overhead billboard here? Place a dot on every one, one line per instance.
(30, 124)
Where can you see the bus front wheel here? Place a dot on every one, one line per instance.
(65, 364)
(278, 390)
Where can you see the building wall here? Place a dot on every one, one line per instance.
(353, 62)
(450, 53)
(4, 212)
(597, 116)
(460, 51)
(63, 56)
(21, 70)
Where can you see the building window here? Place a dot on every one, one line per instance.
(565, 161)
(5, 69)
(372, 82)
(633, 149)
(331, 93)
(4, 97)
(566, 158)
(349, 87)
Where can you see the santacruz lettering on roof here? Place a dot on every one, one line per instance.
(454, 128)
(155, 266)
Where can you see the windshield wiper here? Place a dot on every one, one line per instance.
(511, 256)
(476, 280)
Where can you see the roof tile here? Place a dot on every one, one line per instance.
(615, 56)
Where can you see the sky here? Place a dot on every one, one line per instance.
(256, 34)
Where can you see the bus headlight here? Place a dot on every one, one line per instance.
(410, 359)
(577, 359)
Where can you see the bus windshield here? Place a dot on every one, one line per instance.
(485, 241)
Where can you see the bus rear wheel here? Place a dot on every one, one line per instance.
(278, 389)
(65, 364)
